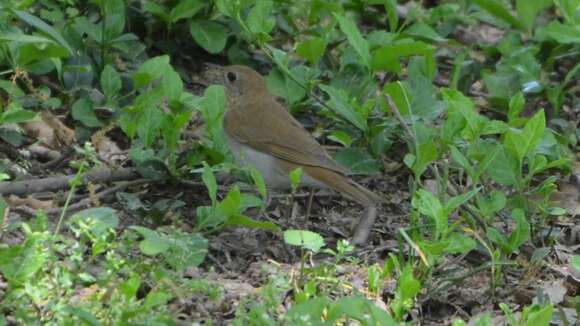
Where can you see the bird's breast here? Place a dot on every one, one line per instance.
(275, 174)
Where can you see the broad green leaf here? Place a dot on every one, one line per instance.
(242, 220)
(209, 35)
(498, 9)
(295, 178)
(83, 111)
(340, 137)
(459, 200)
(157, 10)
(424, 31)
(460, 244)
(521, 234)
(388, 57)
(516, 106)
(232, 204)
(151, 70)
(528, 11)
(460, 159)
(259, 19)
(505, 168)
(84, 316)
(398, 94)
(185, 9)
(259, 182)
(98, 219)
(153, 243)
(305, 239)
(576, 262)
(354, 37)
(426, 153)
(291, 89)
(172, 84)
(148, 125)
(311, 50)
(45, 28)
(541, 317)
(520, 143)
(17, 116)
(339, 102)
(460, 103)
(358, 161)
(561, 33)
(210, 182)
(110, 81)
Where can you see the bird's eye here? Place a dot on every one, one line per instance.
(231, 76)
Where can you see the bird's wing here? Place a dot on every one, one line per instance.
(276, 132)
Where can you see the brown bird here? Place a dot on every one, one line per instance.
(262, 133)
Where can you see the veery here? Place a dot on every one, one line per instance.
(262, 133)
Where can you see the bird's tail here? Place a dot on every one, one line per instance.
(345, 185)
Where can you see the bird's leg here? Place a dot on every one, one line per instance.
(363, 229)
(309, 205)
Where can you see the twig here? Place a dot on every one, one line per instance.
(86, 202)
(28, 187)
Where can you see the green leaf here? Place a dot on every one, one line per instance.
(153, 243)
(340, 137)
(305, 239)
(561, 33)
(292, 90)
(521, 234)
(463, 105)
(575, 262)
(148, 125)
(209, 35)
(17, 115)
(528, 11)
(505, 168)
(388, 56)
(459, 200)
(499, 11)
(516, 106)
(83, 111)
(210, 182)
(427, 204)
(339, 102)
(459, 244)
(99, 219)
(358, 161)
(157, 10)
(354, 37)
(110, 81)
(45, 28)
(151, 70)
(520, 143)
(172, 85)
(86, 317)
(460, 159)
(295, 177)
(259, 182)
(242, 220)
(185, 9)
(259, 19)
(311, 50)
(426, 153)
(424, 31)
(541, 317)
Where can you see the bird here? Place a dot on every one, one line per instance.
(263, 134)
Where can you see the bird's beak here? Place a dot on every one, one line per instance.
(210, 74)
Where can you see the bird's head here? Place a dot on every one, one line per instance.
(238, 80)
